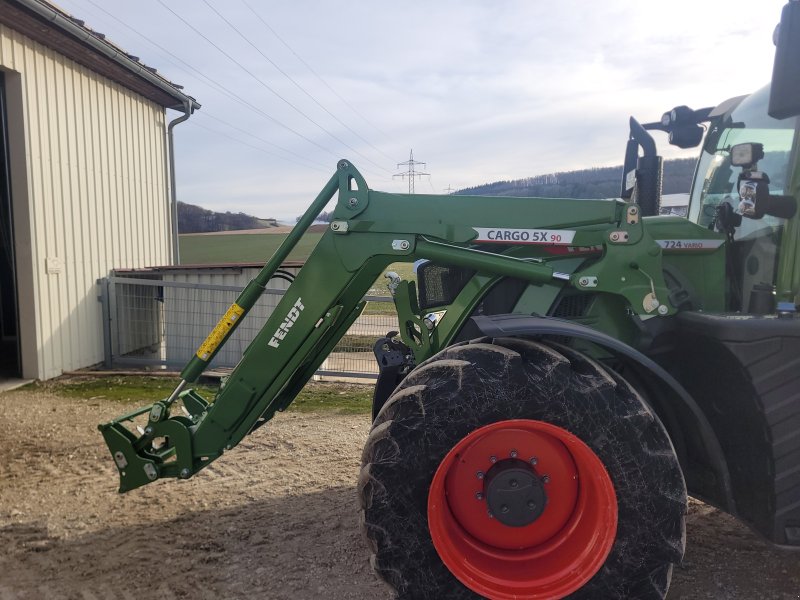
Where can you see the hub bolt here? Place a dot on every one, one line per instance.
(492, 459)
(504, 509)
(534, 460)
(478, 496)
(546, 479)
(479, 474)
(513, 454)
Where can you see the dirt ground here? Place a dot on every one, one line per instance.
(275, 519)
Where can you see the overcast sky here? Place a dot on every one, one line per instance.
(482, 91)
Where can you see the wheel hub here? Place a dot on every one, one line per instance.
(544, 472)
(514, 493)
(522, 509)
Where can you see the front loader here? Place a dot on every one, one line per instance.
(565, 371)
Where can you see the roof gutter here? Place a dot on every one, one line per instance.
(50, 14)
(173, 195)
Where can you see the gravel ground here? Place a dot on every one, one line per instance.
(274, 519)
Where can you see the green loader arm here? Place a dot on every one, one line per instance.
(369, 231)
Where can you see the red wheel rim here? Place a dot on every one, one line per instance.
(552, 556)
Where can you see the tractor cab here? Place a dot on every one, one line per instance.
(745, 186)
(742, 189)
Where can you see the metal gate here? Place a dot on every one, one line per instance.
(159, 320)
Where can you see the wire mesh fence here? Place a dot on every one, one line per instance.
(160, 322)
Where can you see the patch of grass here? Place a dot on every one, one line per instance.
(240, 248)
(356, 343)
(338, 398)
(121, 389)
(380, 308)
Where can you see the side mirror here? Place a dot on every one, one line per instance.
(784, 97)
(689, 136)
(683, 125)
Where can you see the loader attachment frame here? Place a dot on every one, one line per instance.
(369, 231)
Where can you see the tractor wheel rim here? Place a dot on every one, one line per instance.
(514, 466)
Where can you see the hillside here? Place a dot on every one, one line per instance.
(195, 219)
(586, 183)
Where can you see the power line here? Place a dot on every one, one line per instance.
(317, 75)
(411, 171)
(191, 71)
(216, 86)
(266, 86)
(235, 139)
(313, 165)
(246, 70)
(430, 185)
(208, 115)
(294, 82)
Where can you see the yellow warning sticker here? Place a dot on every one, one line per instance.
(219, 332)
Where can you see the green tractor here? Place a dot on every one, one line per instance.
(565, 371)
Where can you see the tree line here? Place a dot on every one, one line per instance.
(195, 219)
(603, 182)
(323, 217)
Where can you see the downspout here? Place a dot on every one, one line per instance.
(173, 195)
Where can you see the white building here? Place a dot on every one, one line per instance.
(85, 156)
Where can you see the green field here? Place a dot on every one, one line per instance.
(241, 248)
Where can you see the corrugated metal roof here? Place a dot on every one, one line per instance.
(289, 264)
(51, 26)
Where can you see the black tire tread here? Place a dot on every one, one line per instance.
(517, 378)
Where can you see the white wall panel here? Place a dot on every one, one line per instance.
(96, 195)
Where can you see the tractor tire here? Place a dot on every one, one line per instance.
(471, 421)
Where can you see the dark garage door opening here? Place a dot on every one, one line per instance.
(9, 337)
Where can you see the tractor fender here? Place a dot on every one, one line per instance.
(721, 492)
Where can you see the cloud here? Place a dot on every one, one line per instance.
(480, 91)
